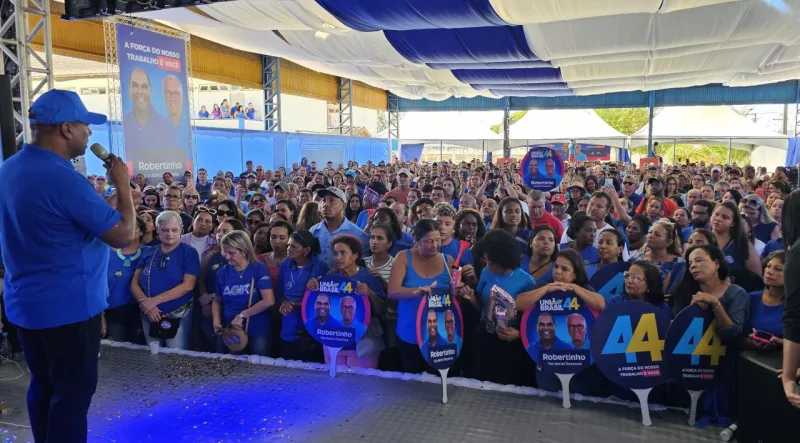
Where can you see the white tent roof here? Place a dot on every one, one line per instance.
(449, 126)
(709, 124)
(560, 126)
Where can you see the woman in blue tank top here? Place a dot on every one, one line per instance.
(414, 273)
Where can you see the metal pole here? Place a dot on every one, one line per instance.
(730, 147)
(506, 125)
(652, 105)
(674, 145)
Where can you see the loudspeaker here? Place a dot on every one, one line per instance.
(7, 131)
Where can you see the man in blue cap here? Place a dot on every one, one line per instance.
(55, 249)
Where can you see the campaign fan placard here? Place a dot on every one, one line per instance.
(694, 349)
(334, 314)
(440, 330)
(610, 279)
(542, 167)
(628, 344)
(556, 332)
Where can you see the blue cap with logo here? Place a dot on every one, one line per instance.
(59, 106)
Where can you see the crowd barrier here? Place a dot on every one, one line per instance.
(229, 149)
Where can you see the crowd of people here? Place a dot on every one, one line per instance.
(225, 110)
(700, 234)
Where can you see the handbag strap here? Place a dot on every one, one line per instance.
(250, 302)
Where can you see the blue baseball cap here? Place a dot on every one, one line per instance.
(350, 173)
(59, 106)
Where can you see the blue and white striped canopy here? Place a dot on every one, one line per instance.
(437, 49)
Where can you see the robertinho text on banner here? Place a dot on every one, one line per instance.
(155, 105)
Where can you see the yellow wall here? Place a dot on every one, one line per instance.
(84, 39)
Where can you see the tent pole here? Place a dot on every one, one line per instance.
(441, 150)
(730, 146)
(506, 125)
(652, 103)
(674, 145)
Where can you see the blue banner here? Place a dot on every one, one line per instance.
(411, 151)
(609, 280)
(155, 104)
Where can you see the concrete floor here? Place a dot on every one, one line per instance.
(176, 398)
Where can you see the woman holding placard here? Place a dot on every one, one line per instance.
(414, 273)
(502, 358)
(764, 329)
(541, 255)
(706, 284)
(349, 263)
(301, 264)
(569, 274)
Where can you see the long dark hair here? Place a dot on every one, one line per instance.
(740, 241)
(790, 219)
(350, 214)
(655, 290)
(581, 277)
(278, 224)
(497, 221)
(688, 287)
(394, 223)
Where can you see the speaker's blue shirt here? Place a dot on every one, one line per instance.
(56, 264)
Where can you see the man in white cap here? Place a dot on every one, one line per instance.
(400, 193)
(56, 285)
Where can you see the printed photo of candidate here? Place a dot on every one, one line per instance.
(547, 335)
(440, 328)
(542, 168)
(335, 311)
(155, 103)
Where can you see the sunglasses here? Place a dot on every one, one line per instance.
(254, 221)
(229, 213)
(753, 204)
(210, 211)
(256, 201)
(192, 197)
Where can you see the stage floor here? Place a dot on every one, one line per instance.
(176, 398)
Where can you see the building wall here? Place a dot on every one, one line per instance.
(367, 118)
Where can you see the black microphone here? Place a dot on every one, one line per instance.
(102, 153)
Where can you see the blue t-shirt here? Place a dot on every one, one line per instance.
(763, 231)
(162, 272)
(589, 255)
(375, 285)
(120, 274)
(548, 275)
(522, 240)
(764, 318)
(56, 264)
(451, 249)
(234, 291)
(515, 283)
(772, 246)
(214, 264)
(291, 286)
(406, 241)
